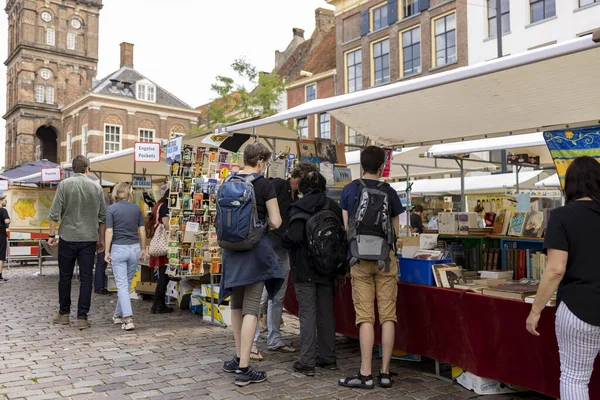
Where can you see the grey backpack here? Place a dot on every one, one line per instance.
(370, 232)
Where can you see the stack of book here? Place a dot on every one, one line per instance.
(515, 291)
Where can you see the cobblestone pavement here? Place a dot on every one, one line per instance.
(167, 357)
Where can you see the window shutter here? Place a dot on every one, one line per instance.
(364, 23)
(392, 10)
(423, 5)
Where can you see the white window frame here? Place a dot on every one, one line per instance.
(145, 91)
(49, 95)
(51, 37)
(446, 33)
(403, 60)
(301, 128)
(114, 143)
(384, 78)
(314, 85)
(40, 94)
(71, 41)
(84, 140)
(327, 123)
(69, 146)
(144, 138)
(357, 80)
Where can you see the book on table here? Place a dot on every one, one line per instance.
(550, 303)
(470, 287)
(516, 291)
(496, 274)
(490, 282)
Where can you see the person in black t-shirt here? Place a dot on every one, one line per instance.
(572, 267)
(4, 223)
(246, 273)
(416, 219)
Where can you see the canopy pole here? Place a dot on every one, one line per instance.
(408, 190)
(517, 176)
(463, 202)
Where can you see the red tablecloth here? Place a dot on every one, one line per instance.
(483, 335)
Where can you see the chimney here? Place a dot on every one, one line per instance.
(298, 32)
(324, 20)
(126, 55)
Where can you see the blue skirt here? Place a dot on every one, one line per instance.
(241, 268)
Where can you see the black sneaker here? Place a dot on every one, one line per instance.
(385, 380)
(358, 381)
(303, 369)
(250, 376)
(232, 365)
(330, 366)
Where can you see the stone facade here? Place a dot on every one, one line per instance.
(54, 103)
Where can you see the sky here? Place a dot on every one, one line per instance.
(182, 45)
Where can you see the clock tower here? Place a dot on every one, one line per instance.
(52, 61)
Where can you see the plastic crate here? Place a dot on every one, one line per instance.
(413, 270)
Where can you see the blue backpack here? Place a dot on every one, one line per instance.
(238, 225)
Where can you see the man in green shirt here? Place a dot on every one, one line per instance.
(80, 208)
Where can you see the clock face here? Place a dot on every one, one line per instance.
(46, 74)
(75, 23)
(46, 16)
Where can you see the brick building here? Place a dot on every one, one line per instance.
(309, 69)
(55, 107)
(381, 42)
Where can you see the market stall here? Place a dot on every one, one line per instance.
(509, 96)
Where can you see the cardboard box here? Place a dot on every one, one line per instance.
(146, 287)
(206, 292)
(409, 246)
(481, 385)
(173, 289)
(222, 314)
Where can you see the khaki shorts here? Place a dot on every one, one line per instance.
(368, 283)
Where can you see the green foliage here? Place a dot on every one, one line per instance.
(234, 101)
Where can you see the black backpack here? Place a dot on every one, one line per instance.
(326, 239)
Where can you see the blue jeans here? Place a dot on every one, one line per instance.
(124, 259)
(275, 306)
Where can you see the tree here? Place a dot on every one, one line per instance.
(234, 101)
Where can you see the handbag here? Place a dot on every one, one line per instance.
(160, 240)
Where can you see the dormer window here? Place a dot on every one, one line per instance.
(146, 91)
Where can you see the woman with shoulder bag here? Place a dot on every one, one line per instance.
(160, 216)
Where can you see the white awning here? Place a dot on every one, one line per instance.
(533, 91)
(418, 165)
(473, 184)
(551, 181)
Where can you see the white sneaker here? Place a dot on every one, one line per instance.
(128, 324)
(117, 320)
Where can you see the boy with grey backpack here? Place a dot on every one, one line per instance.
(371, 210)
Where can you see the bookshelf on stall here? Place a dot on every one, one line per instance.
(523, 256)
(468, 252)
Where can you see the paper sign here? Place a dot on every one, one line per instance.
(3, 185)
(192, 227)
(215, 140)
(146, 152)
(174, 149)
(141, 182)
(524, 202)
(428, 241)
(51, 174)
